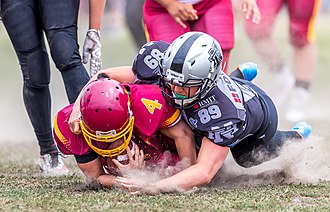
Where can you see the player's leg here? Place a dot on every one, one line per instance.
(298, 132)
(267, 48)
(60, 23)
(261, 34)
(134, 21)
(25, 33)
(266, 143)
(253, 151)
(218, 21)
(24, 29)
(302, 38)
(256, 149)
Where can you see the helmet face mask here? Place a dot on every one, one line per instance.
(106, 117)
(192, 60)
(193, 91)
(111, 136)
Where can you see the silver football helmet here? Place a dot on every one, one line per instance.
(192, 60)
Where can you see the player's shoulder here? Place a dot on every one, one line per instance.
(146, 65)
(138, 91)
(65, 112)
(139, 88)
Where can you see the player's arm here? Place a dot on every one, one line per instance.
(93, 170)
(210, 159)
(96, 8)
(179, 11)
(90, 164)
(92, 43)
(250, 8)
(184, 140)
(123, 74)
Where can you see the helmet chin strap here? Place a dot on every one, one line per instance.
(224, 66)
(179, 96)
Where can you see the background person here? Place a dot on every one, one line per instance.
(301, 16)
(26, 21)
(134, 21)
(213, 17)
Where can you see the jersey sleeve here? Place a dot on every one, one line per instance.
(150, 109)
(227, 135)
(67, 142)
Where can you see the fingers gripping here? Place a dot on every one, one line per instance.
(135, 160)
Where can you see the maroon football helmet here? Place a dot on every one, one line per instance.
(106, 117)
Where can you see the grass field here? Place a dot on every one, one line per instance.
(298, 180)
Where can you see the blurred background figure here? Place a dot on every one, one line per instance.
(295, 79)
(325, 6)
(119, 15)
(134, 21)
(26, 23)
(167, 19)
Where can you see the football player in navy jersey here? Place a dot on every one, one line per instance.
(226, 114)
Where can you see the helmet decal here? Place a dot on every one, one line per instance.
(181, 55)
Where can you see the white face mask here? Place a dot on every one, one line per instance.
(182, 101)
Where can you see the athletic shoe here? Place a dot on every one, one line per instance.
(283, 84)
(52, 164)
(297, 105)
(303, 129)
(249, 70)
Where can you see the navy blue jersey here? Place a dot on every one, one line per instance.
(230, 112)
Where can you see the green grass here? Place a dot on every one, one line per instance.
(22, 188)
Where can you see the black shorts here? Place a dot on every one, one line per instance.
(244, 151)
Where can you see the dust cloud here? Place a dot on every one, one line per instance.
(298, 162)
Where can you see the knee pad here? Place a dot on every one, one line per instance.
(37, 74)
(25, 36)
(59, 13)
(64, 50)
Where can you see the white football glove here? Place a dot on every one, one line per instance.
(92, 45)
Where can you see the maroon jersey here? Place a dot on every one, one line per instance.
(215, 18)
(151, 115)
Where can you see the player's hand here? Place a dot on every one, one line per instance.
(92, 46)
(250, 8)
(181, 12)
(74, 121)
(137, 187)
(135, 161)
